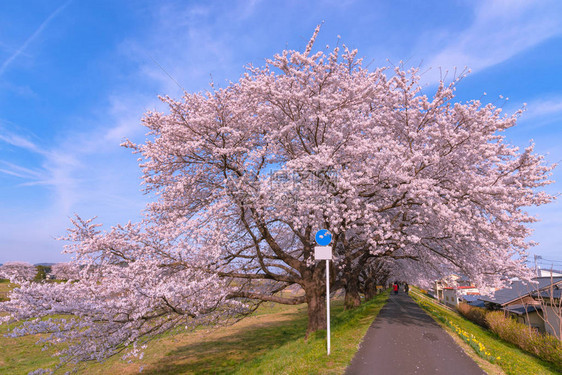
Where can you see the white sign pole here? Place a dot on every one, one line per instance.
(328, 302)
(323, 238)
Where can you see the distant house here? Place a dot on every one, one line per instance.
(472, 299)
(530, 315)
(551, 308)
(438, 289)
(548, 272)
(443, 283)
(519, 292)
(530, 302)
(453, 295)
(452, 289)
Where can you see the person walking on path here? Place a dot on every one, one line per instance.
(404, 340)
(406, 288)
(395, 288)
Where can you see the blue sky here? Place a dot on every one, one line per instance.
(77, 76)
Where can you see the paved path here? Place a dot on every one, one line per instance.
(404, 340)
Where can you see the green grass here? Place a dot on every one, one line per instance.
(302, 356)
(21, 355)
(5, 288)
(270, 341)
(512, 360)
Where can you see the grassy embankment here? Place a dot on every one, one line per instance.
(483, 343)
(5, 287)
(19, 356)
(270, 341)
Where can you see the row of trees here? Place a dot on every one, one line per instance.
(410, 185)
(18, 272)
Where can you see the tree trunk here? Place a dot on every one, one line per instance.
(315, 295)
(316, 311)
(352, 298)
(370, 290)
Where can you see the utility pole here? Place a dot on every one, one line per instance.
(536, 268)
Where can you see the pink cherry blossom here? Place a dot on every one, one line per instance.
(17, 272)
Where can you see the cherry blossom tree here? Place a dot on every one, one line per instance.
(65, 271)
(315, 140)
(374, 273)
(359, 269)
(243, 176)
(18, 272)
(130, 288)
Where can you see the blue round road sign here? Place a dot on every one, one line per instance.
(323, 237)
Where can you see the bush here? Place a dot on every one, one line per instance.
(509, 329)
(544, 346)
(474, 314)
(41, 274)
(548, 347)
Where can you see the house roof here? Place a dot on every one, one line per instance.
(556, 293)
(522, 309)
(477, 303)
(471, 297)
(519, 289)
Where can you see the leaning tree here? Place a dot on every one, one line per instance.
(135, 281)
(244, 175)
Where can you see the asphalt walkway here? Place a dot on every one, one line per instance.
(404, 340)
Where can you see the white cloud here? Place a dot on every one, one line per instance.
(83, 170)
(19, 171)
(18, 141)
(548, 107)
(500, 30)
(56, 167)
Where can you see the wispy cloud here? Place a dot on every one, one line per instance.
(56, 168)
(32, 37)
(18, 141)
(69, 176)
(500, 30)
(19, 171)
(547, 107)
(82, 170)
(186, 46)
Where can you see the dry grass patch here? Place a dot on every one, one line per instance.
(217, 350)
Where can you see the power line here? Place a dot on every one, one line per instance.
(549, 262)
